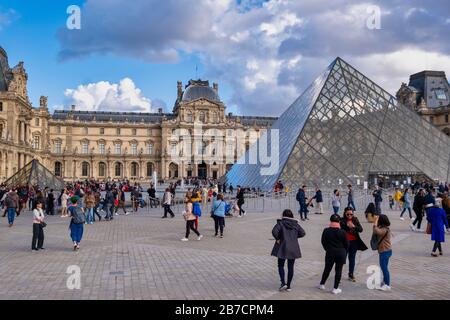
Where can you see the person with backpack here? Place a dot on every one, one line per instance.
(418, 207)
(350, 224)
(406, 199)
(190, 221)
(11, 204)
(286, 232)
(76, 222)
(335, 244)
(218, 214)
(381, 241)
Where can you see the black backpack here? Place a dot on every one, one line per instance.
(78, 216)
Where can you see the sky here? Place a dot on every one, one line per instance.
(129, 55)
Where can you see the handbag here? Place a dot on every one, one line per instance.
(214, 211)
(43, 224)
(429, 230)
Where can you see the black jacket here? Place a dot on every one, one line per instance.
(419, 203)
(151, 192)
(354, 231)
(240, 196)
(286, 232)
(334, 240)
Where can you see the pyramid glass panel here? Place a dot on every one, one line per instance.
(343, 129)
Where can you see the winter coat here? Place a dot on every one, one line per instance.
(318, 196)
(419, 203)
(377, 196)
(301, 198)
(437, 218)
(286, 233)
(354, 231)
(240, 197)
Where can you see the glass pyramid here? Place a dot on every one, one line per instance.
(342, 129)
(35, 174)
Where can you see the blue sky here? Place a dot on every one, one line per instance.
(129, 55)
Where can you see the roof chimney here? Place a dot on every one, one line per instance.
(216, 88)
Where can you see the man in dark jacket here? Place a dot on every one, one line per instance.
(335, 243)
(418, 207)
(319, 200)
(109, 204)
(240, 200)
(301, 198)
(286, 233)
(377, 197)
(152, 196)
(352, 228)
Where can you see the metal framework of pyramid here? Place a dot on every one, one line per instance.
(340, 130)
(35, 174)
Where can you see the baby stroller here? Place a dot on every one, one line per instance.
(228, 207)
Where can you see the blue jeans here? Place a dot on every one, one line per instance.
(351, 204)
(336, 209)
(76, 232)
(11, 215)
(351, 252)
(384, 261)
(378, 207)
(303, 210)
(89, 215)
(281, 263)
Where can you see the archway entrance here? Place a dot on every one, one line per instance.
(202, 170)
(173, 170)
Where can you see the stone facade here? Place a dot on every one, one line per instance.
(428, 94)
(74, 144)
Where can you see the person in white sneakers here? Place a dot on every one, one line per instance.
(384, 247)
(190, 221)
(335, 243)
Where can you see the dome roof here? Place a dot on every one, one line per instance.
(198, 89)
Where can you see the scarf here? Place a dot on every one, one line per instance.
(335, 225)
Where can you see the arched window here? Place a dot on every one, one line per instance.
(58, 167)
(102, 169)
(189, 117)
(134, 169)
(85, 169)
(215, 117)
(149, 169)
(150, 148)
(118, 169)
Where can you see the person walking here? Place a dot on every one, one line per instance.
(11, 203)
(97, 197)
(406, 199)
(50, 208)
(350, 224)
(37, 242)
(335, 243)
(196, 209)
(382, 234)
(240, 200)
(397, 197)
(301, 198)
(437, 219)
(350, 198)
(336, 201)
(152, 196)
(121, 198)
(418, 207)
(286, 232)
(218, 214)
(89, 204)
(190, 222)
(378, 198)
(167, 202)
(76, 222)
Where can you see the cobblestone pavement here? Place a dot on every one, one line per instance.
(140, 256)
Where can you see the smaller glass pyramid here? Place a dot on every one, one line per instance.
(341, 130)
(35, 174)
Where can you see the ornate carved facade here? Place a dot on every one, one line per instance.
(190, 141)
(428, 94)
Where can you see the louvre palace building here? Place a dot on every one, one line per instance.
(198, 139)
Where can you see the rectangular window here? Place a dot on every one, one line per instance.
(58, 147)
(85, 148)
(118, 131)
(58, 129)
(101, 148)
(134, 149)
(102, 130)
(118, 148)
(149, 132)
(134, 132)
(36, 122)
(36, 142)
(440, 94)
(446, 118)
(150, 148)
(1, 106)
(85, 131)
(173, 149)
(432, 119)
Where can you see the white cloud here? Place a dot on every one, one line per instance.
(6, 17)
(105, 96)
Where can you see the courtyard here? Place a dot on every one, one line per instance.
(140, 256)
